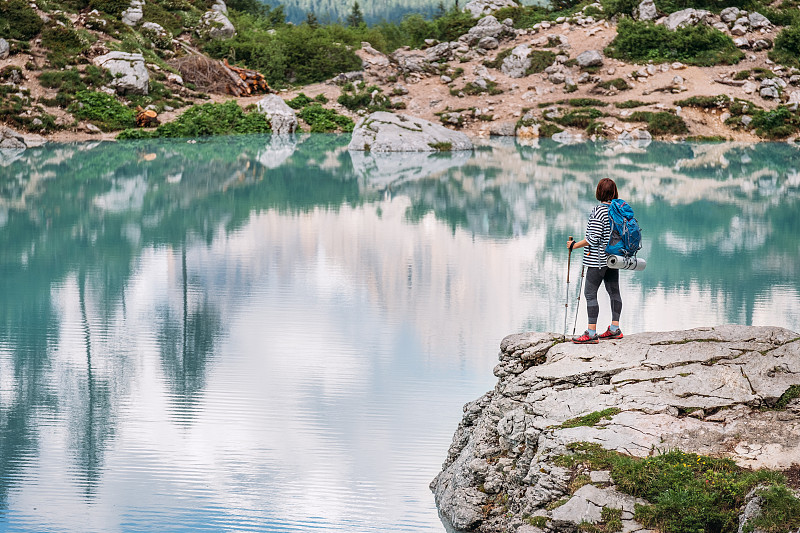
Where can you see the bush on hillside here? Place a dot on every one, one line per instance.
(696, 45)
(65, 45)
(102, 110)
(205, 120)
(787, 47)
(18, 20)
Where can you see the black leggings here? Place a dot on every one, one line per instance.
(609, 276)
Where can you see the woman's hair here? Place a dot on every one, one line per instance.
(606, 190)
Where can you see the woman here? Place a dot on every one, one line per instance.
(598, 232)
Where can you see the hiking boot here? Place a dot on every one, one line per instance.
(586, 339)
(611, 334)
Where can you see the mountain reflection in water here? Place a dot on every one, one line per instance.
(272, 334)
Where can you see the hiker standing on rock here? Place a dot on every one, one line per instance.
(598, 233)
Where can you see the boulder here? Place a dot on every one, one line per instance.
(503, 129)
(372, 57)
(411, 62)
(487, 27)
(769, 92)
(758, 21)
(12, 139)
(685, 17)
(517, 62)
(646, 10)
(388, 132)
(590, 58)
(219, 5)
(129, 71)
(488, 43)
(4, 48)
(738, 30)
(762, 44)
(729, 14)
(216, 25)
(439, 52)
(741, 42)
(133, 14)
(479, 8)
(282, 118)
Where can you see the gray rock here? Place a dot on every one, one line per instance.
(133, 14)
(488, 43)
(758, 21)
(487, 27)
(749, 87)
(589, 58)
(4, 48)
(517, 62)
(157, 35)
(219, 5)
(388, 132)
(348, 77)
(738, 30)
(721, 26)
(282, 118)
(600, 476)
(746, 120)
(794, 79)
(741, 42)
(646, 10)
(11, 139)
(411, 63)
(485, 7)
(557, 78)
(685, 17)
(503, 129)
(216, 25)
(129, 71)
(729, 14)
(438, 52)
(761, 44)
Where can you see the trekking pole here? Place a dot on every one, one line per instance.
(578, 310)
(566, 304)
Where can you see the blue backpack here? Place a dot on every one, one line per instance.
(626, 236)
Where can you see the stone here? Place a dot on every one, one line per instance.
(678, 66)
(129, 72)
(742, 20)
(794, 98)
(219, 5)
(794, 79)
(761, 44)
(485, 7)
(175, 78)
(749, 87)
(4, 48)
(589, 58)
(503, 129)
(282, 118)
(372, 57)
(344, 78)
(91, 128)
(646, 10)
(157, 35)
(216, 25)
(557, 78)
(738, 30)
(746, 120)
(721, 26)
(566, 137)
(517, 62)
(487, 27)
(446, 79)
(729, 14)
(741, 42)
(388, 132)
(488, 43)
(600, 476)
(11, 139)
(438, 52)
(758, 21)
(133, 14)
(685, 17)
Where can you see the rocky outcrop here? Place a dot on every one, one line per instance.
(646, 11)
(4, 48)
(479, 8)
(700, 391)
(14, 143)
(216, 25)
(388, 132)
(685, 17)
(488, 27)
(129, 71)
(590, 58)
(516, 64)
(282, 118)
(134, 13)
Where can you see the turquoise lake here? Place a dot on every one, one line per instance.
(273, 334)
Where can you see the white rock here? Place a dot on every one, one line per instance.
(738, 30)
(129, 71)
(517, 62)
(133, 14)
(741, 42)
(589, 58)
(282, 118)
(388, 132)
(485, 7)
(216, 25)
(4, 48)
(729, 14)
(219, 5)
(749, 87)
(646, 10)
(685, 17)
(757, 20)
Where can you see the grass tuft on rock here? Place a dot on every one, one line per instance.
(591, 419)
(687, 492)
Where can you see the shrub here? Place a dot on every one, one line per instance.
(617, 83)
(300, 101)
(102, 110)
(18, 20)
(65, 46)
(778, 123)
(540, 60)
(629, 104)
(111, 7)
(660, 123)
(548, 130)
(706, 102)
(696, 45)
(583, 102)
(361, 96)
(787, 47)
(579, 118)
(497, 62)
(324, 120)
(207, 119)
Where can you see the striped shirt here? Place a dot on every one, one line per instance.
(598, 233)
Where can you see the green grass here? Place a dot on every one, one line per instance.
(579, 118)
(695, 45)
(617, 83)
(660, 123)
(362, 96)
(706, 102)
(322, 120)
(630, 104)
(591, 419)
(497, 62)
(548, 130)
(790, 394)
(688, 493)
(102, 110)
(582, 102)
(780, 511)
(205, 120)
(787, 46)
(441, 146)
(757, 73)
(540, 60)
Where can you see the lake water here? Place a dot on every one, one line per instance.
(268, 334)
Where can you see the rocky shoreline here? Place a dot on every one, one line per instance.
(723, 392)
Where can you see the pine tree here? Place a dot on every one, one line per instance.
(356, 17)
(311, 20)
(440, 11)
